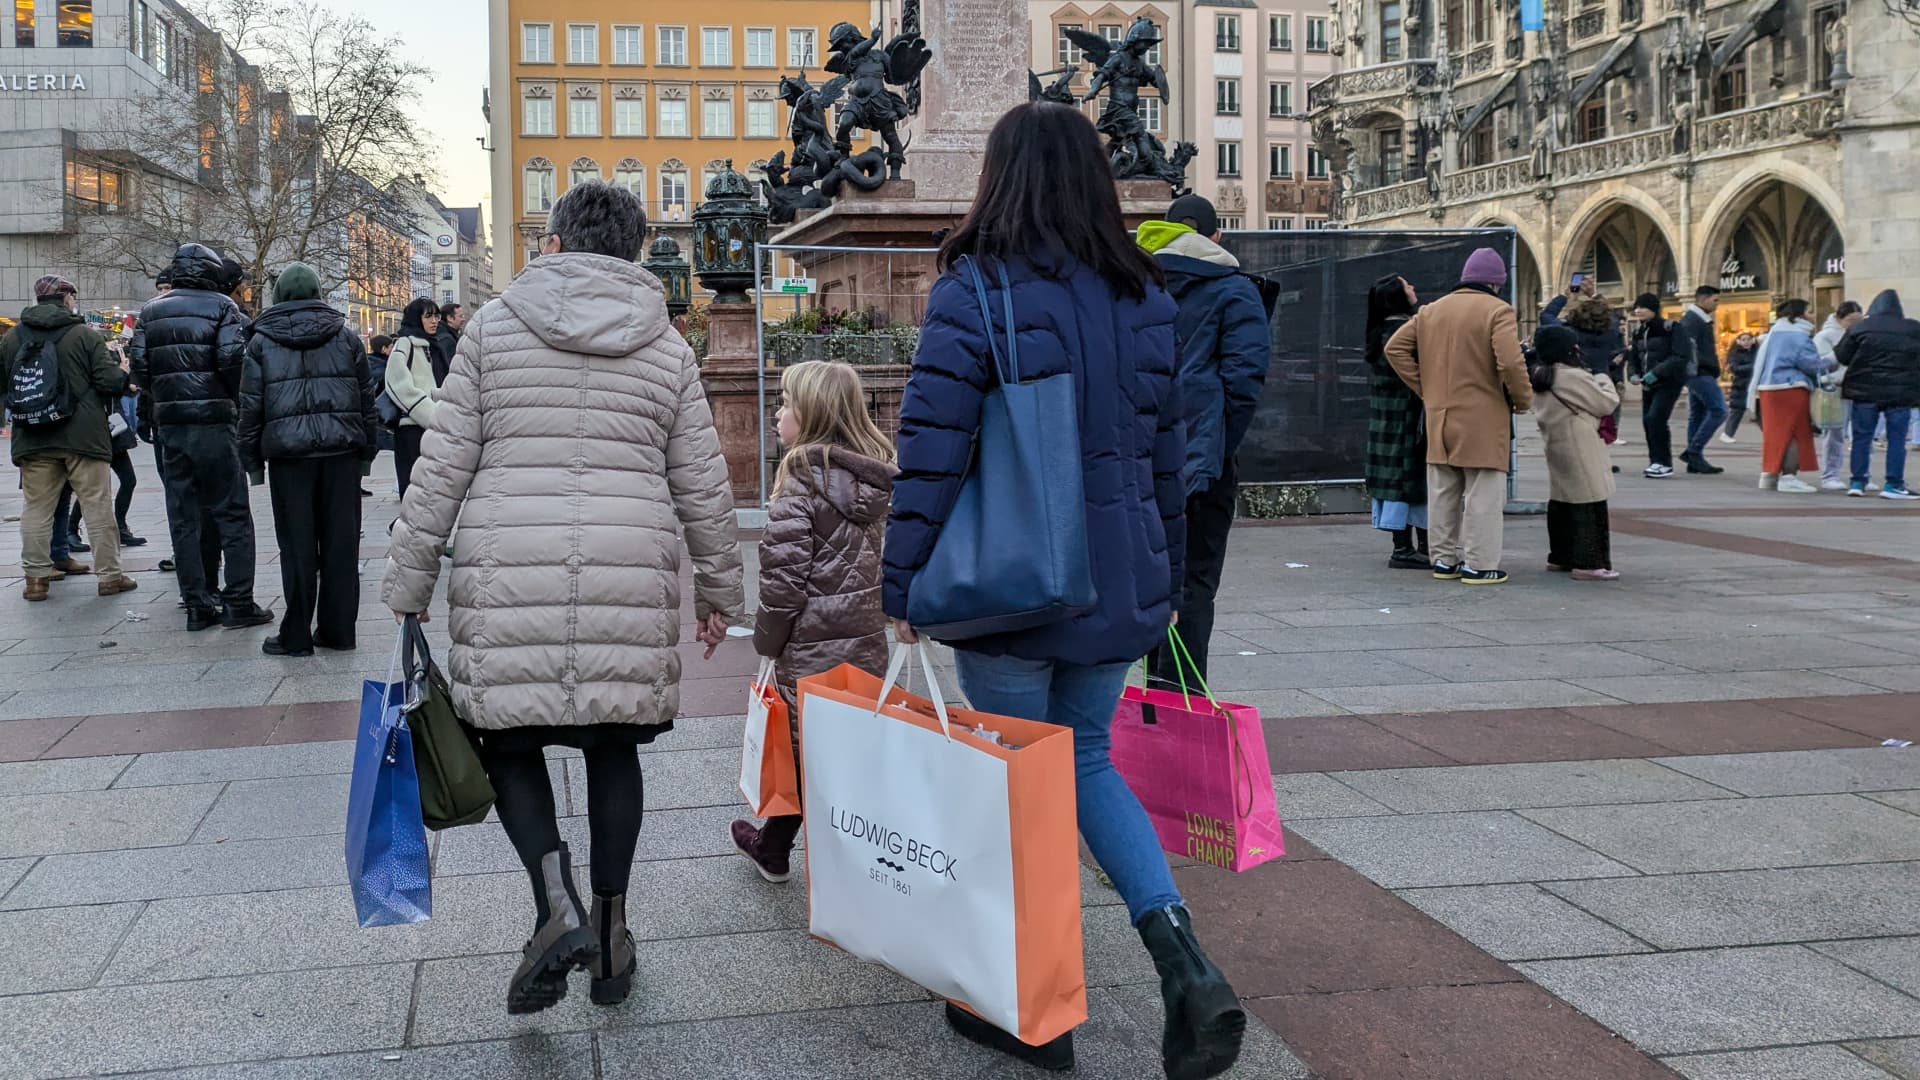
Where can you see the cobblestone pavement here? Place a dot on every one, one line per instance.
(1550, 831)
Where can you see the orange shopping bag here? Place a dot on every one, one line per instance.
(766, 751)
(940, 853)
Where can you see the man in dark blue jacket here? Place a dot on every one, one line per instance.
(1694, 338)
(1221, 334)
(189, 363)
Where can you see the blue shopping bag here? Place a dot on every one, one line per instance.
(386, 838)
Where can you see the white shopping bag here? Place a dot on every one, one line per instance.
(936, 852)
(766, 751)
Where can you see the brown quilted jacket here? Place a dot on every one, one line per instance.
(820, 568)
(573, 444)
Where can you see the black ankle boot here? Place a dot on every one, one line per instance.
(1055, 1056)
(1405, 556)
(560, 943)
(613, 971)
(1205, 1022)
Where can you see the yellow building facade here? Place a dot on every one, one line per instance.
(651, 95)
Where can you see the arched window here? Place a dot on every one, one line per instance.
(632, 175)
(583, 170)
(674, 201)
(709, 172)
(539, 175)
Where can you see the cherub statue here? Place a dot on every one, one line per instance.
(1122, 71)
(865, 70)
(812, 141)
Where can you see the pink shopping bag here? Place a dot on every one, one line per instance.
(1199, 766)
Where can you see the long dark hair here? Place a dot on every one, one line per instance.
(413, 321)
(1046, 189)
(1793, 309)
(1387, 299)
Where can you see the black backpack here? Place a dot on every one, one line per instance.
(37, 394)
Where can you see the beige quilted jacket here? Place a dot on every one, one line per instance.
(573, 444)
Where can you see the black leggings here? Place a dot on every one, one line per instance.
(523, 795)
(123, 489)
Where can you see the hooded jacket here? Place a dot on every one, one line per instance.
(86, 368)
(820, 567)
(574, 445)
(1787, 359)
(1121, 353)
(1221, 331)
(1882, 356)
(1740, 361)
(306, 390)
(192, 345)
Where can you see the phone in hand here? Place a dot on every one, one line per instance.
(1579, 279)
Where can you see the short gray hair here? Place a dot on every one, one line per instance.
(600, 218)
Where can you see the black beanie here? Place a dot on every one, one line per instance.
(1649, 301)
(1556, 345)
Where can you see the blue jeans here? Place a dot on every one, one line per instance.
(1706, 411)
(60, 550)
(1866, 418)
(1112, 821)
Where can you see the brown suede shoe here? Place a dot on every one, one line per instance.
(36, 589)
(118, 585)
(72, 565)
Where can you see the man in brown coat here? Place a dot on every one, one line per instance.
(1461, 355)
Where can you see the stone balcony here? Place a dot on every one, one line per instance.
(1376, 82)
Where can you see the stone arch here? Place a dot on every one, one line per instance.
(1594, 213)
(1529, 286)
(1738, 195)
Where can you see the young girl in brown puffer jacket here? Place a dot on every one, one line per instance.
(820, 557)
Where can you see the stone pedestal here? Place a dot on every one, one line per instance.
(978, 72)
(1143, 200)
(732, 380)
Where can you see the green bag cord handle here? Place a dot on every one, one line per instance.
(1241, 766)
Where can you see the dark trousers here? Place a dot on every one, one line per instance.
(523, 795)
(1209, 520)
(1578, 537)
(406, 451)
(1656, 416)
(61, 548)
(316, 519)
(204, 480)
(125, 480)
(209, 532)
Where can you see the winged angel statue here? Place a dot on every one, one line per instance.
(1122, 71)
(865, 71)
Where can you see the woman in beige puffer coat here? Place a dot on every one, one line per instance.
(573, 444)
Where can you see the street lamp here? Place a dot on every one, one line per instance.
(665, 262)
(728, 226)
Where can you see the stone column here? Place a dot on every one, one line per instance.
(978, 72)
(732, 378)
(1879, 142)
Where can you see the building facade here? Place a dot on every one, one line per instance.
(1653, 145)
(1238, 71)
(450, 261)
(646, 94)
(70, 72)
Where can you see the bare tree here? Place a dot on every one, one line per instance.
(288, 123)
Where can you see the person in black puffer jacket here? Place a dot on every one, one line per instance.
(189, 365)
(307, 418)
(1882, 359)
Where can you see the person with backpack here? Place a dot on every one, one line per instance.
(61, 382)
(189, 364)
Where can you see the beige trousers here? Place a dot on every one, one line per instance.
(41, 477)
(1464, 508)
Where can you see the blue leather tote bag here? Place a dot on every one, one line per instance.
(1013, 554)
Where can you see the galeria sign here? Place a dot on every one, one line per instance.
(42, 82)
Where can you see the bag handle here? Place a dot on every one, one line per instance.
(764, 677)
(416, 659)
(1243, 770)
(1009, 372)
(897, 665)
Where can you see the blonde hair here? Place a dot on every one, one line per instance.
(830, 406)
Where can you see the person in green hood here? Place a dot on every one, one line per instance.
(65, 439)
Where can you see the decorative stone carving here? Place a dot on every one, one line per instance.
(1487, 181)
(1480, 60)
(1750, 128)
(1589, 24)
(1611, 157)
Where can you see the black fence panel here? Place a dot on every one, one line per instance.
(1312, 424)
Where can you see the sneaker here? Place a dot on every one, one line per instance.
(1470, 576)
(1728, 439)
(121, 584)
(166, 566)
(1872, 487)
(1596, 575)
(1659, 472)
(1898, 491)
(1833, 485)
(1769, 481)
(1796, 485)
(1854, 491)
(774, 866)
(1443, 572)
(1702, 467)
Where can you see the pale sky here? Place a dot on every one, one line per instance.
(450, 37)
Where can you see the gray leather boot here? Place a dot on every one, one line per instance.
(613, 971)
(563, 942)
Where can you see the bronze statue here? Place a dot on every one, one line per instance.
(1060, 91)
(811, 178)
(866, 71)
(1122, 71)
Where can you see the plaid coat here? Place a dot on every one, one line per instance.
(1396, 436)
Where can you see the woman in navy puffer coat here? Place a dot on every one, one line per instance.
(1086, 300)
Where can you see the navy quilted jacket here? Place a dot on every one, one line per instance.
(1132, 444)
